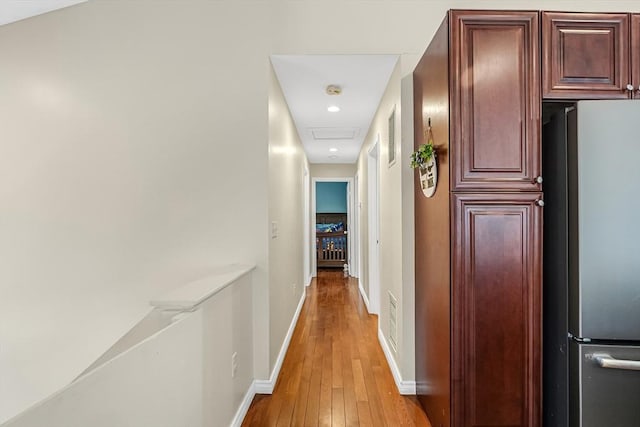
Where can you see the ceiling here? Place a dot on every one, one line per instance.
(15, 10)
(304, 79)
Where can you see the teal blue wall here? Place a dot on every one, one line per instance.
(331, 197)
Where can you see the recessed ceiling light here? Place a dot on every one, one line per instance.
(333, 150)
(333, 109)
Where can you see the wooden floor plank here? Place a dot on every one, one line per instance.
(364, 414)
(373, 397)
(387, 403)
(350, 402)
(313, 401)
(336, 353)
(335, 373)
(358, 379)
(337, 408)
(302, 396)
(324, 411)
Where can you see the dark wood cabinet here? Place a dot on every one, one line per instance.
(433, 260)
(586, 55)
(635, 54)
(478, 239)
(496, 302)
(495, 139)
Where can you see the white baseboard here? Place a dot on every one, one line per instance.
(404, 387)
(266, 386)
(364, 297)
(407, 388)
(244, 406)
(263, 386)
(309, 279)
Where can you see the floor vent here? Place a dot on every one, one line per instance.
(393, 325)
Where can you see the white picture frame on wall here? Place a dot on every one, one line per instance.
(391, 140)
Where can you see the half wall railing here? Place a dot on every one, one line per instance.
(188, 363)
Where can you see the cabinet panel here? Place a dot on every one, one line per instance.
(496, 301)
(432, 237)
(495, 139)
(635, 53)
(585, 55)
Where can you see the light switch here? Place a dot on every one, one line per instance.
(274, 229)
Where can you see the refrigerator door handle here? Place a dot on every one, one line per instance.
(606, 361)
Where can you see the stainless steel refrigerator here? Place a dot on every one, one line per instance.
(591, 318)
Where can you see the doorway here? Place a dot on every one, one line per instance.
(331, 225)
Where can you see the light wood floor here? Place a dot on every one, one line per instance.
(335, 373)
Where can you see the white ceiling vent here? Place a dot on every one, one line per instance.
(330, 134)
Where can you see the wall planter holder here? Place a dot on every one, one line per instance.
(429, 177)
(424, 160)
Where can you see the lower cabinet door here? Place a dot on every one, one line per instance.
(496, 309)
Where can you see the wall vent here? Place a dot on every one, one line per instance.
(393, 324)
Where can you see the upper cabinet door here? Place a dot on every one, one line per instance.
(585, 55)
(635, 55)
(495, 100)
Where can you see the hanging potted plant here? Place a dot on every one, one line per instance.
(425, 161)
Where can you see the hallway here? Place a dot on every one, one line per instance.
(335, 373)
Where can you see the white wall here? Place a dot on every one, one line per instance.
(134, 158)
(332, 170)
(287, 163)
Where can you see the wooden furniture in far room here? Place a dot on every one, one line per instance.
(331, 243)
(478, 240)
(590, 55)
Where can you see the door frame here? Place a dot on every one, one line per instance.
(306, 212)
(352, 246)
(356, 257)
(373, 231)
